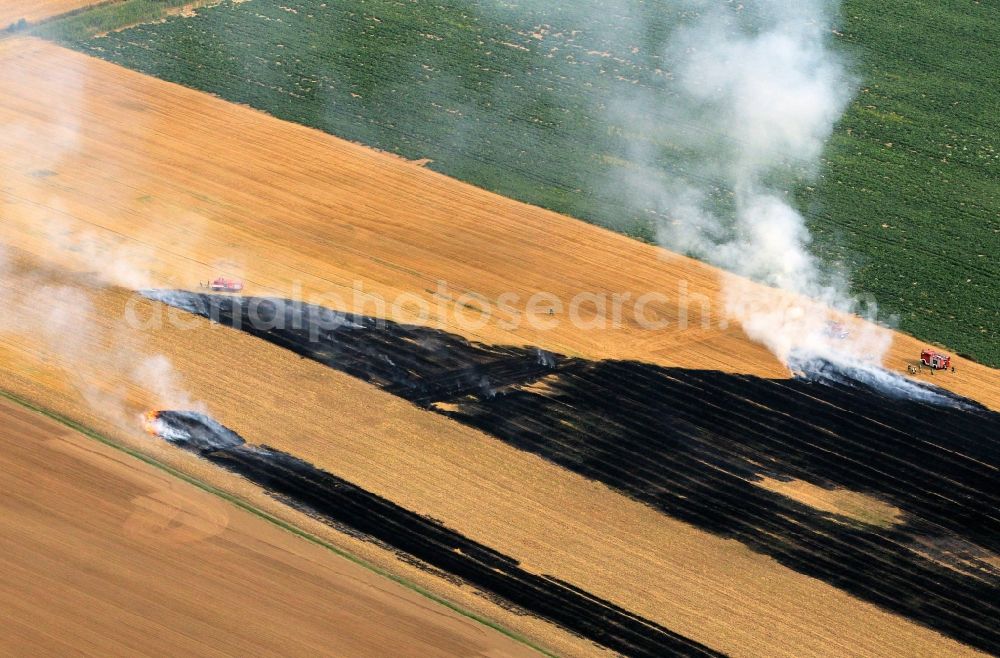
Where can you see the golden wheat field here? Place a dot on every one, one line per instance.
(184, 186)
(133, 182)
(551, 520)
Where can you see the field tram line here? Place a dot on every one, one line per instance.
(957, 554)
(953, 496)
(700, 467)
(976, 466)
(973, 467)
(837, 405)
(870, 478)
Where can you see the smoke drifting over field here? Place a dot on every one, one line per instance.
(56, 314)
(754, 93)
(56, 309)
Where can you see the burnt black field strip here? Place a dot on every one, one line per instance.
(339, 502)
(672, 475)
(690, 443)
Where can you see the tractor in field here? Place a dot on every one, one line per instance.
(935, 360)
(222, 285)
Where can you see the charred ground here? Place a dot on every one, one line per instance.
(342, 503)
(693, 443)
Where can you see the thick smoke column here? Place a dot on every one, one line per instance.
(756, 92)
(751, 103)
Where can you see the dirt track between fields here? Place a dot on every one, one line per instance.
(188, 186)
(104, 554)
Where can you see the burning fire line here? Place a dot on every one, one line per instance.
(150, 422)
(191, 430)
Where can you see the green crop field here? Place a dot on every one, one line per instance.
(515, 97)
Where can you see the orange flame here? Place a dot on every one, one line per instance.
(149, 422)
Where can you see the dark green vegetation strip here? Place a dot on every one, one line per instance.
(267, 517)
(511, 97)
(106, 16)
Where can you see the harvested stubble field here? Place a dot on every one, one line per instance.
(105, 554)
(187, 185)
(352, 508)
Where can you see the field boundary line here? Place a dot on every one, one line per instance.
(284, 525)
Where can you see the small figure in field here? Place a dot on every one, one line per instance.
(953, 369)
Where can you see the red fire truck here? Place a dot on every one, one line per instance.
(935, 360)
(223, 285)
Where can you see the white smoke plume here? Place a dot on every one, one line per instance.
(52, 130)
(110, 259)
(50, 141)
(754, 95)
(60, 319)
(158, 375)
(54, 310)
